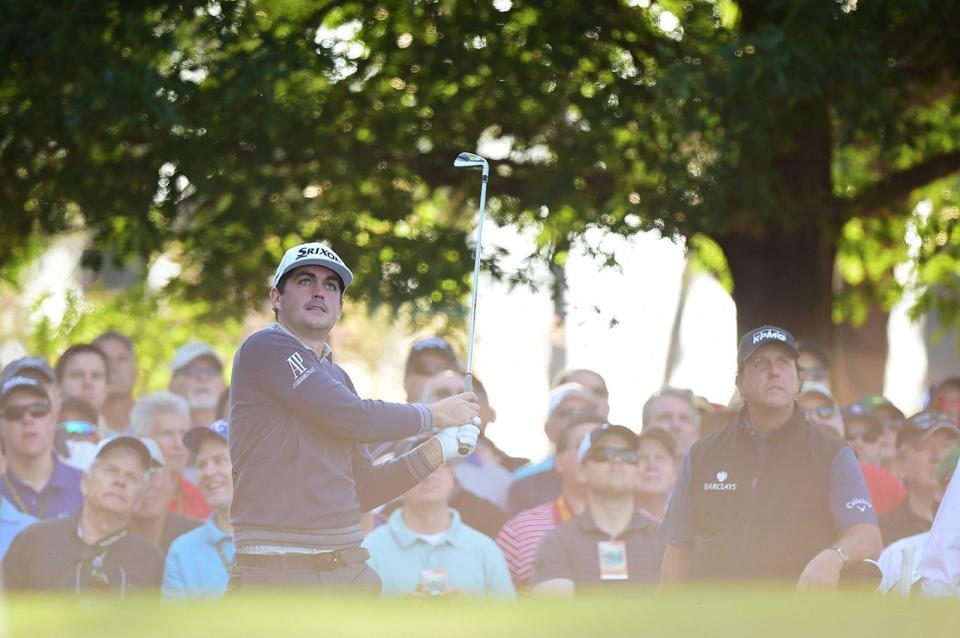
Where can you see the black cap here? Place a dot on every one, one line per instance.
(437, 345)
(194, 438)
(924, 424)
(856, 414)
(598, 433)
(761, 336)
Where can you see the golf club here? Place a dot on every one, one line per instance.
(472, 160)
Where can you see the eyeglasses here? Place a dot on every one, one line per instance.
(197, 371)
(78, 428)
(608, 454)
(17, 412)
(821, 411)
(867, 436)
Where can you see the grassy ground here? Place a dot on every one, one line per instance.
(716, 614)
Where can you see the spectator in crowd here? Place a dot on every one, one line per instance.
(813, 362)
(223, 405)
(12, 522)
(198, 562)
(863, 431)
(538, 484)
(82, 372)
(197, 376)
(674, 410)
(91, 550)
(892, 558)
(77, 432)
(36, 482)
(122, 361)
(611, 543)
(151, 519)
(425, 548)
(591, 381)
(427, 358)
(484, 478)
(922, 443)
(165, 418)
(520, 536)
(945, 398)
(790, 491)
(892, 419)
(939, 568)
(656, 472)
(820, 407)
(39, 370)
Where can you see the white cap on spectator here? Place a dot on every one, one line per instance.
(563, 392)
(188, 353)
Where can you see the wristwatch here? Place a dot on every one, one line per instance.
(842, 553)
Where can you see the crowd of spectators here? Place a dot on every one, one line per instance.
(105, 491)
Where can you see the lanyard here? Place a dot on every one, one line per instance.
(20, 505)
(563, 510)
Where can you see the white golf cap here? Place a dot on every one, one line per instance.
(313, 254)
(814, 387)
(186, 354)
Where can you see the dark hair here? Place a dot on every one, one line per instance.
(816, 350)
(77, 349)
(116, 336)
(85, 408)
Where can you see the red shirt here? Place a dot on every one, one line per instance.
(886, 491)
(189, 501)
(519, 537)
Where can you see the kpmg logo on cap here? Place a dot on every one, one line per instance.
(323, 251)
(767, 334)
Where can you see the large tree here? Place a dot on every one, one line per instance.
(224, 131)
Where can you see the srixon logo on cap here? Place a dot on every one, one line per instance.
(763, 335)
(318, 250)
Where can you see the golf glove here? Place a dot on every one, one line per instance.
(453, 438)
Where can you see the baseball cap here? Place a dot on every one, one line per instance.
(27, 384)
(25, 364)
(434, 344)
(853, 414)
(195, 437)
(923, 424)
(761, 336)
(136, 444)
(596, 435)
(313, 254)
(661, 435)
(814, 387)
(563, 392)
(189, 352)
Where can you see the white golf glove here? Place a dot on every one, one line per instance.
(453, 438)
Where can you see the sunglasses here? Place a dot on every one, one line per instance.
(814, 374)
(17, 412)
(864, 435)
(78, 428)
(821, 411)
(608, 454)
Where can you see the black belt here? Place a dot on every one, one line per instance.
(314, 562)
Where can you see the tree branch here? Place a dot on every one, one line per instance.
(877, 200)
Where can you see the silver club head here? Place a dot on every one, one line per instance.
(470, 160)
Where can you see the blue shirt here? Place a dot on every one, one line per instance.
(849, 499)
(472, 561)
(59, 497)
(11, 523)
(534, 468)
(198, 563)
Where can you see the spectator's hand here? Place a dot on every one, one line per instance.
(452, 438)
(822, 572)
(456, 410)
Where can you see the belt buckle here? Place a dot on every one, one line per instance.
(328, 561)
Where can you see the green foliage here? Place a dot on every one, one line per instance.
(158, 325)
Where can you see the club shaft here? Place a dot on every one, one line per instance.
(476, 281)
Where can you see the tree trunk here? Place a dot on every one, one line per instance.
(860, 357)
(558, 332)
(783, 279)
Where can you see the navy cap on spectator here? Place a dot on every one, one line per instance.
(596, 435)
(27, 384)
(194, 438)
(923, 425)
(29, 364)
(436, 345)
(761, 336)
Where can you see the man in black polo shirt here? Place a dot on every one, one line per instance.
(92, 550)
(771, 497)
(611, 543)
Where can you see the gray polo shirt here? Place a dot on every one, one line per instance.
(572, 551)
